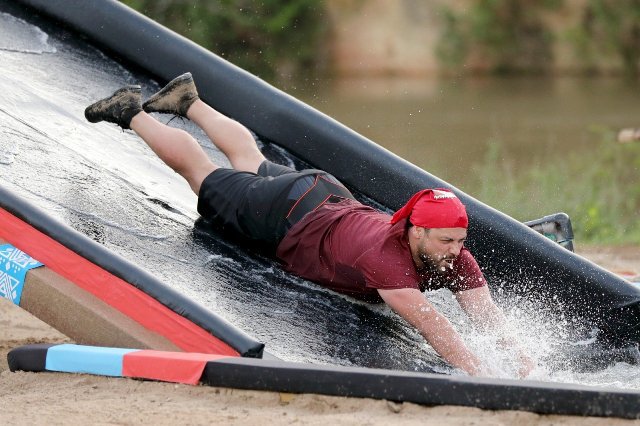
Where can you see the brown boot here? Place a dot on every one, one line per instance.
(119, 108)
(174, 98)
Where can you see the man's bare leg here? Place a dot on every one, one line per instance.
(231, 137)
(175, 147)
(180, 97)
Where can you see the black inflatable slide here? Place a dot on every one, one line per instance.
(509, 252)
(514, 258)
(23, 222)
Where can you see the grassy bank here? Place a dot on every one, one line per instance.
(599, 191)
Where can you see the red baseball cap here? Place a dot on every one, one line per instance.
(434, 208)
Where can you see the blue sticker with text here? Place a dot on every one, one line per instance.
(14, 265)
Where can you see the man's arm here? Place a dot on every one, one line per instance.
(480, 307)
(411, 305)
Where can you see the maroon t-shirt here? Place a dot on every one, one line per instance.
(354, 249)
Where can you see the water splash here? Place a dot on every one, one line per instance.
(565, 349)
(17, 35)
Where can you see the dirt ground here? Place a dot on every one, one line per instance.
(623, 261)
(75, 399)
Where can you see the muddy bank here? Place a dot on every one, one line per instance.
(623, 260)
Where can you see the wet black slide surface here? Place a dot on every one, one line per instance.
(514, 258)
(108, 185)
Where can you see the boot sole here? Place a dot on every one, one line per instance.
(170, 87)
(92, 112)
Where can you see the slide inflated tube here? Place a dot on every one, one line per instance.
(282, 376)
(17, 217)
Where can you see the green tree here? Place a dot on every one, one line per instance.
(270, 38)
(506, 35)
(610, 29)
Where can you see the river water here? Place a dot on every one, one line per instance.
(447, 126)
(106, 184)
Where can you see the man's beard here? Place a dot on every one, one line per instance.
(440, 266)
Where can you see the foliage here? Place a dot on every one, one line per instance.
(610, 29)
(515, 35)
(270, 38)
(599, 193)
(505, 35)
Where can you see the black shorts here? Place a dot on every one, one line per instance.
(263, 206)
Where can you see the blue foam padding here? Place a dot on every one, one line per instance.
(86, 359)
(14, 265)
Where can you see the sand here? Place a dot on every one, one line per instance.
(74, 399)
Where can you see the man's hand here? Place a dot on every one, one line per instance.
(527, 365)
(411, 305)
(479, 306)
